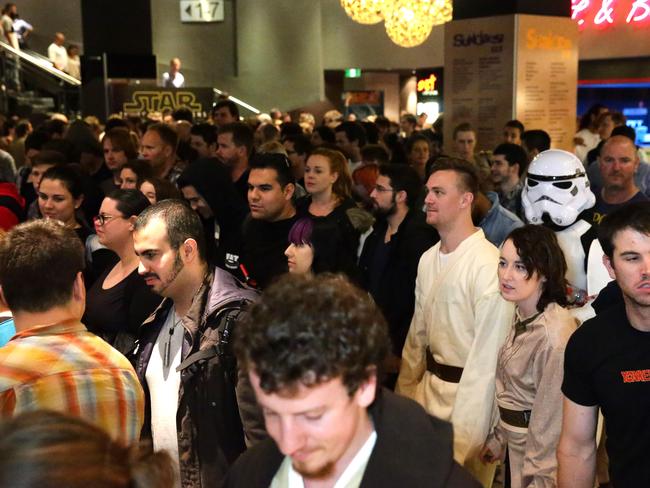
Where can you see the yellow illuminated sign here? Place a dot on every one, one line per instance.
(159, 100)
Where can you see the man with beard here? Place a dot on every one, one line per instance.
(195, 405)
(206, 186)
(390, 256)
(234, 149)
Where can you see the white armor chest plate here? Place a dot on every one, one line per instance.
(569, 240)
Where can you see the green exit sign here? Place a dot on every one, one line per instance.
(353, 73)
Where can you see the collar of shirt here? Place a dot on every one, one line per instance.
(356, 466)
(71, 326)
(515, 190)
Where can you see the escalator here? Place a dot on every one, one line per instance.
(30, 85)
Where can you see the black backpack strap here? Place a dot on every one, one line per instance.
(202, 355)
(224, 322)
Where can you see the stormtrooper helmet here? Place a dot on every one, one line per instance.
(556, 184)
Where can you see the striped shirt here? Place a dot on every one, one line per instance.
(64, 367)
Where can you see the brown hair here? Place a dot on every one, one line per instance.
(39, 262)
(463, 127)
(540, 252)
(122, 140)
(342, 187)
(44, 449)
(164, 189)
(633, 216)
(306, 330)
(466, 171)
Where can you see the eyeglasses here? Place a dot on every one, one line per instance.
(381, 189)
(101, 219)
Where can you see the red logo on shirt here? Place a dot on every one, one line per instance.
(637, 376)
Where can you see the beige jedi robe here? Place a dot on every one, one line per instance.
(530, 369)
(460, 315)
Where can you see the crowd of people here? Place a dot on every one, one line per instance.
(275, 303)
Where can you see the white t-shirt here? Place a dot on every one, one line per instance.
(287, 477)
(590, 140)
(58, 55)
(178, 81)
(164, 383)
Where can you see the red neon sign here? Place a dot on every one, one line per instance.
(602, 13)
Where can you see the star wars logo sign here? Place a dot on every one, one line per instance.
(602, 13)
(146, 101)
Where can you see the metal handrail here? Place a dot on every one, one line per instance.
(42, 64)
(238, 101)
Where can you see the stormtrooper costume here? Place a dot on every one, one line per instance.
(557, 194)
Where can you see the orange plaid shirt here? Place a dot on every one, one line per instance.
(64, 367)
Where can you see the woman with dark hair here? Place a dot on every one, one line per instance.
(45, 449)
(119, 300)
(60, 195)
(314, 248)
(530, 363)
(133, 173)
(587, 137)
(329, 187)
(119, 146)
(157, 189)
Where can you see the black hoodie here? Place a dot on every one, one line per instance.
(211, 179)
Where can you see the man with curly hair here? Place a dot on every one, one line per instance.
(313, 348)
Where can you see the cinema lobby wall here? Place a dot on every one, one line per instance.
(275, 53)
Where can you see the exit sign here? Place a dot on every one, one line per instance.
(202, 10)
(353, 73)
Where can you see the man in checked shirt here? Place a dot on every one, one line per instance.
(53, 362)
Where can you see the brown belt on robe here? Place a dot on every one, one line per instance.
(516, 418)
(450, 374)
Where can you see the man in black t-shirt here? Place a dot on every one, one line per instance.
(607, 365)
(234, 149)
(618, 163)
(270, 198)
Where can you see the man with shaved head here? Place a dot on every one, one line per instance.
(57, 53)
(618, 162)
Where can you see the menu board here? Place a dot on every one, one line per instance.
(547, 76)
(511, 66)
(479, 77)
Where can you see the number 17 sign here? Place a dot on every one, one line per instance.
(202, 10)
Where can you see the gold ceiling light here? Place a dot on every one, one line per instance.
(441, 11)
(364, 11)
(409, 22)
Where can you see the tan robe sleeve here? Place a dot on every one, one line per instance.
(540, 463)
(474, 412)
(413, 355)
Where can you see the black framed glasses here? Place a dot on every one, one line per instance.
(381, 189)
(101, 219)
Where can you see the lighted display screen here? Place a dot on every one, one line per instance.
(629, 98)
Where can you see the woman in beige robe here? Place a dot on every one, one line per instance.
(530, 363)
